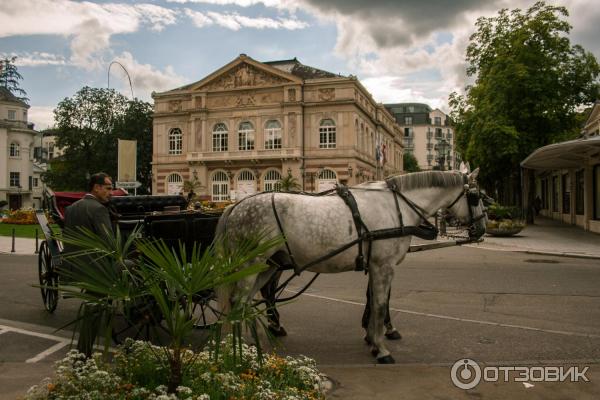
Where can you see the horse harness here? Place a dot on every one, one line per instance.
(425, 230)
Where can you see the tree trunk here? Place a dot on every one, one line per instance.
(175, 376)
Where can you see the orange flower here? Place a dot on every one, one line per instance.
(51, 387)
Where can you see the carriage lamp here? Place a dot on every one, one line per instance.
(289, 171)
(350, 171)
(195, 173)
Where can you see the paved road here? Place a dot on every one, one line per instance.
(493, 307)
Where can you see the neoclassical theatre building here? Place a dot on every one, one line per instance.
(249, 124)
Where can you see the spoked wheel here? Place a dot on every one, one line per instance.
(206, 312)
(48, 278)
(140, 321)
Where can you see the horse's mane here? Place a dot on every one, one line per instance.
(426, 179)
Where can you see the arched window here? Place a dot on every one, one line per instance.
(220, 186)
(174, 184)
(246, 136)
(219, 137)
(15, 150)
(327, 180)
(272, 135)
(246, 184)
(327, 134)
(175, 141)
(272, 178)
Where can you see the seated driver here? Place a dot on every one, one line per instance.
(90, 212)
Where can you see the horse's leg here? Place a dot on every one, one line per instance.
(380, 277)
(391, 333)
(268, 293)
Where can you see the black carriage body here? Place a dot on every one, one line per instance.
(162, 218)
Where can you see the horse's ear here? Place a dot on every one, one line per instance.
(463, 168)
(473, 175)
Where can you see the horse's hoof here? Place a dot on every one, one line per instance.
(386, 360)
(393, 335)
(278, 332)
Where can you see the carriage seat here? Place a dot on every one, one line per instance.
(140, 205)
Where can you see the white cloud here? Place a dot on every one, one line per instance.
(145, 77)
(242, 3)
(35, 59)
(89, 25)
(235, 22)
(41, 116)
(199, 19)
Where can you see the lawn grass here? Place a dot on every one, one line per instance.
(24, 231)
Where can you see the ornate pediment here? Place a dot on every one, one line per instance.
(243, 76)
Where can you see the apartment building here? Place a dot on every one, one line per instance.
(428, 134)
(20, 183)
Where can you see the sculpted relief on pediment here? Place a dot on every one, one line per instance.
(242, 76)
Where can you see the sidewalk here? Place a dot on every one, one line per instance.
(547, 237)
(22, 245)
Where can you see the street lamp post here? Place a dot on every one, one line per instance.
(442, 148)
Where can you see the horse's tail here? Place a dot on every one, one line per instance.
(221, 229)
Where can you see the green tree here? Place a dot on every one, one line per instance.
(87, 128)
(410, 163)
(10, 77)
(529, 84)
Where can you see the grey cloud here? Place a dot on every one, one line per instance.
(391, 23)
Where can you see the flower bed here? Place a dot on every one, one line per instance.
(21, 217)
(135, 373)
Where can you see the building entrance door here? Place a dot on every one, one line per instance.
(14, 201)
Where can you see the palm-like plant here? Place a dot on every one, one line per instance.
(107, 279)
(288, 184)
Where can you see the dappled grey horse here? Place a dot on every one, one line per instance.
(317, 227)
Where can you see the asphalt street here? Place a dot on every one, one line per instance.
(497, 308)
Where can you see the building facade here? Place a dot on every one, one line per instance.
(427, 134)
(20, 183)
(249, 124)
(566, 177)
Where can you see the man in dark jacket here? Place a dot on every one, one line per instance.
(90, 212)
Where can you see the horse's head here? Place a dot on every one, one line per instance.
(468, 207)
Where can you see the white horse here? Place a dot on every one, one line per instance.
(315, 226)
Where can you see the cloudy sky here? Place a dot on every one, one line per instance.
(401, 50)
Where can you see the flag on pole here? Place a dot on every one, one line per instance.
(377, 149)
(383, 157)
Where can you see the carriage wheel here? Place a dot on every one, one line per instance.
(48, 278)
(140, 321)
(206, 311)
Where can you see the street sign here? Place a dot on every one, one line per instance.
(128, 185)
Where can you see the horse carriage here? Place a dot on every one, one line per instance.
(163, 218)
(367, 228)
